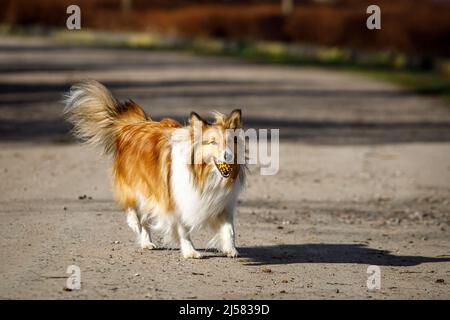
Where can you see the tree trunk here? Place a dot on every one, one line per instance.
(126, 5)
(287, 7)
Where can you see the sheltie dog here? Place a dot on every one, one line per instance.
(154, 178)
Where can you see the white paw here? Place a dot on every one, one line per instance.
(231, 253)
(147, 246)
(192, 254)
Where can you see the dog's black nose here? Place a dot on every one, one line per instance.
(228, 156)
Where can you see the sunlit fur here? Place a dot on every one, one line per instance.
(155, 180)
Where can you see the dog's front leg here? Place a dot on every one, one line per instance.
(186, 246)
(227, 236)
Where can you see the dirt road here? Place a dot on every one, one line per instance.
(364, 180)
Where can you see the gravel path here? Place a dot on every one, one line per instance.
(364, 180)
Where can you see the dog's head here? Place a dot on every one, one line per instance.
(216, 143)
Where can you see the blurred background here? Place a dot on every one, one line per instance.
(170, 56)
(414, 38)
(416, 27)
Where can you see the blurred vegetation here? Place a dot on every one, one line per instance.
(430, 83)
(409, 26)
(422, 75)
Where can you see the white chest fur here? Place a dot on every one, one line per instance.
(196, 206)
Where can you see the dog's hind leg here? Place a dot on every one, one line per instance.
(145, 239)
(133, 220)
(140, 225)
(186, 246)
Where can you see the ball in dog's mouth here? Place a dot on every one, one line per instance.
(224, 168)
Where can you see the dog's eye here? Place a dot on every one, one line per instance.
(212, 142)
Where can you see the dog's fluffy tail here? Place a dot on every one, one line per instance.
(97, 116)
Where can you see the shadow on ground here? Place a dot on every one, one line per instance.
(330, 253)
(318, 132)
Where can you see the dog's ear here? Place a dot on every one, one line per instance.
(220, 118)
(234, 120)
(196, 120)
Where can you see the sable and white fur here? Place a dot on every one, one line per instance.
(154, 180)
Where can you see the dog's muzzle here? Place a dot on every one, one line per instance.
(224, 168)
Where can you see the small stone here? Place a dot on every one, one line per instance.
(266, 270)
(440, 281)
